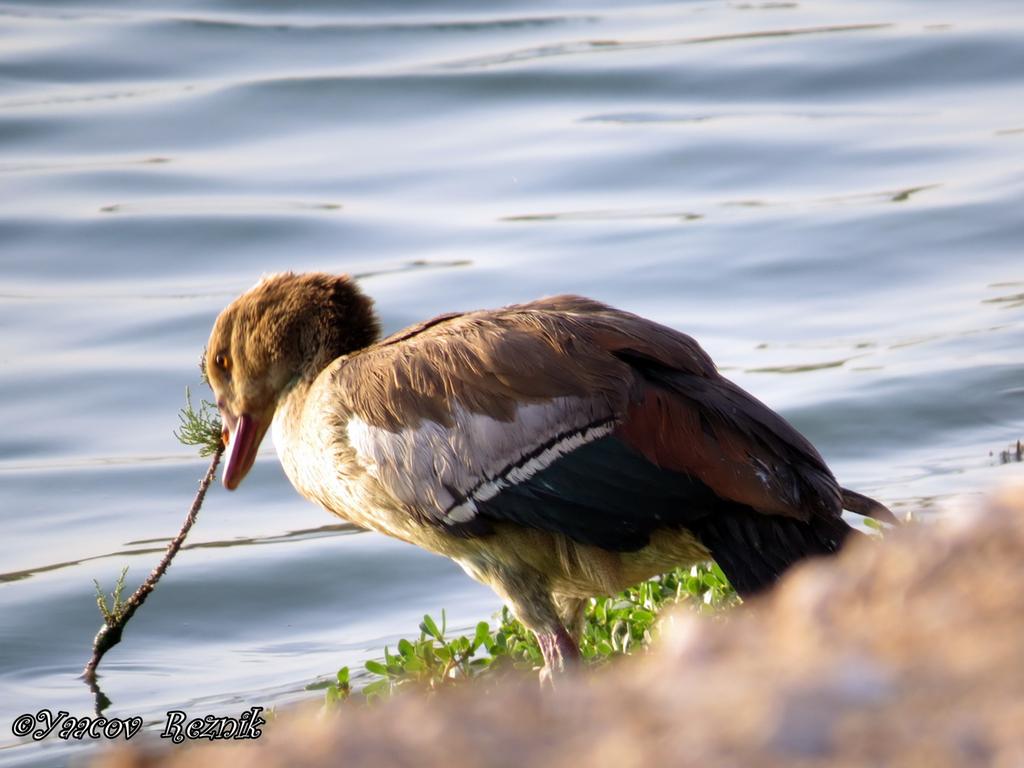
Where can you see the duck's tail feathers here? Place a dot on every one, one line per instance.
(862, 505)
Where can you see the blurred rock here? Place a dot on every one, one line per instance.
(908, 652)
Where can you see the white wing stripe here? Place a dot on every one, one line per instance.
(515, 474)
(441, 471)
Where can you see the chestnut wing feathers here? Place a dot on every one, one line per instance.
(738, 445)
(570, 416)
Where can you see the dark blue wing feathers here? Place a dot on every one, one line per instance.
(608, 495)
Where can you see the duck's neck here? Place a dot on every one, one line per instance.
(289, 441)
(301, 434)
(288, 414)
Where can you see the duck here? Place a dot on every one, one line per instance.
(556, 450)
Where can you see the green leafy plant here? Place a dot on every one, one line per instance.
(614, 626)
(337, 690)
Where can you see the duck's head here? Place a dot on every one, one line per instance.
(285, 329)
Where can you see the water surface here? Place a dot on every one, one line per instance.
(826, 194)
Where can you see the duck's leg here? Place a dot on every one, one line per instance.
(571, 611)
(526, 592)
(561, 649)
(545, 616)
(560, 654)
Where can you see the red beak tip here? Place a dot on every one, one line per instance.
(241, 452)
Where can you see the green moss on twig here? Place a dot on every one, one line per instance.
(200, 428)
(113, 612)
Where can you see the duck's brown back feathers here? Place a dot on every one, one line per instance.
(567, 415)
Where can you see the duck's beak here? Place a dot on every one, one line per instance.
(242, 435)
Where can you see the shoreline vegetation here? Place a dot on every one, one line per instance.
(613, 626)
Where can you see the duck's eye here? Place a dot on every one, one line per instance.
(223, 362)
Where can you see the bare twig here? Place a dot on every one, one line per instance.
(117, 617)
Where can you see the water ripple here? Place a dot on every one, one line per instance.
(305, 534)
(606, 46)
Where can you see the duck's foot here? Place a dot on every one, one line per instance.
(560, 654)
